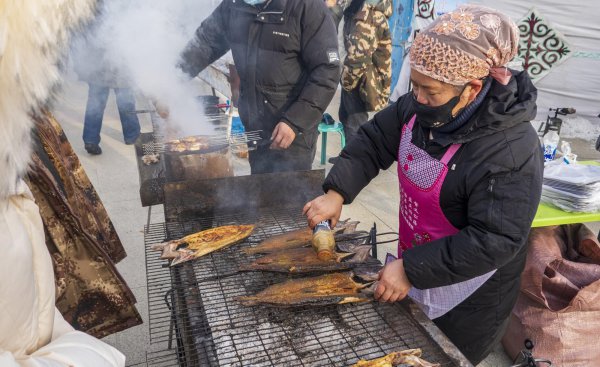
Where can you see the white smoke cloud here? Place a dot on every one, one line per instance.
(142, 40)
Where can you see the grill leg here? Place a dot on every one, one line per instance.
(373, 240)
(171, 329)
(149, 216)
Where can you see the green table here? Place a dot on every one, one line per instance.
(551, 216)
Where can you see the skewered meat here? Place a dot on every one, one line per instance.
(187, 144)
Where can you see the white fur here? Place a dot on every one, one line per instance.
(33, 39)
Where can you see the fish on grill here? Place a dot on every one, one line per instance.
(296, 238)
(305, 260)
(410, 357)
(204, 242)
(329, 289)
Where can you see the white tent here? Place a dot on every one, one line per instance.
(573, 78)
(576, 81)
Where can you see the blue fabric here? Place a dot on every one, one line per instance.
(237, 127)
(254, 2)
(465, 114)
(94, 113)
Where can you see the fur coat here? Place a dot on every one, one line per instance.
(33, 39)
(33, 35)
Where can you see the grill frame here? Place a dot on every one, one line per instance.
(193, 298)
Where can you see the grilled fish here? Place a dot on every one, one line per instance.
(204, 242)
(297, 260)
(295, 239)
(334, 288)
(305, 260)
(410, 357)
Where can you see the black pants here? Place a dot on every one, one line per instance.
(298, 157)
(474, 330)
(353, 112)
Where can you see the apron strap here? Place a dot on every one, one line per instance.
(411, 123)
(450, 153)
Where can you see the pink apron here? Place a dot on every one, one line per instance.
(422, 219)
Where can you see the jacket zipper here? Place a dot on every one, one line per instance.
(490, 190)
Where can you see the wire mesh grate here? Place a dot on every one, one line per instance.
(234, 140)
(192, 305)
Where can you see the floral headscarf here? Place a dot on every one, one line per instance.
(469, 43)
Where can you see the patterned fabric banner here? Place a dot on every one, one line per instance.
(424, 9)
(541, 48)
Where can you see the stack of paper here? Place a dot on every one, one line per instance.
(572, 187)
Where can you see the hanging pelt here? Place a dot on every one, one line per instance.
(34, 38)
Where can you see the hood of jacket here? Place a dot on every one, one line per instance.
(505, 106)
(355, 6)
(33, 40)
(384, 6)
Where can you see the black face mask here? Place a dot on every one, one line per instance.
(432, 117)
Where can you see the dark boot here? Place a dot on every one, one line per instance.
(93, 149)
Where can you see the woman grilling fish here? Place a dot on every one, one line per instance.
(470, 172)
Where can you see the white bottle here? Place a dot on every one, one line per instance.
(550, 144)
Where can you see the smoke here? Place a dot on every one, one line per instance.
(138, 43)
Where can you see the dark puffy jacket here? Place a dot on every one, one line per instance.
(491, 194)
(286, 56)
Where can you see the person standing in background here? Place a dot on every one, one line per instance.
(93, 66)
(286, 55)
(336, 9)
(367, 70)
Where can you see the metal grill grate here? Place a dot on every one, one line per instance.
(209, 328)
(250, 139)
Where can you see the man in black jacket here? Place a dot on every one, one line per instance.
(286, 54)
(470, 171)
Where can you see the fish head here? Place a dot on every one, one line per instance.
(368, 275)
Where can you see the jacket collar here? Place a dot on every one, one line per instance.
(502, 108)
(270, 6)
(273, 11)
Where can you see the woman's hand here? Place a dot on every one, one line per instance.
(393, 283)
(328, 206)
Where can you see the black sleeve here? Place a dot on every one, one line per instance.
(322, 62)
(373, 148)
(501, 207)
(207, 46)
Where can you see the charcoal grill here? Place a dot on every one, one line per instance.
(194, 317)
